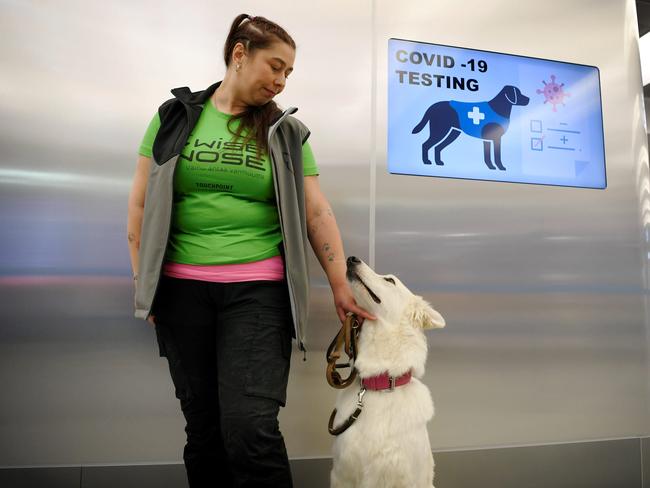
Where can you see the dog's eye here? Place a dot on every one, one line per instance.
(390, 280)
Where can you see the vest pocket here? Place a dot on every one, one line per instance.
(182, 389)
(267, 371)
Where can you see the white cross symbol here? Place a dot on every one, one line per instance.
(476, 115)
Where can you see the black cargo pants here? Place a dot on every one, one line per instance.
(228, 346)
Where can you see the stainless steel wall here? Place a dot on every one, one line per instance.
(544, 288)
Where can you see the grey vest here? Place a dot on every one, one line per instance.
(178, 116)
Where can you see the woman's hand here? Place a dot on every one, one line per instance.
(152, 320)
(344, 303)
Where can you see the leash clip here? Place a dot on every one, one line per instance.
(362, 392)
(357, 412)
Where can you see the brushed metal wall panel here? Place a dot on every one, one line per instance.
(83, 382)
(135, 476)
(35, 477)
(608, 464)
(645, 461)
(542, 287)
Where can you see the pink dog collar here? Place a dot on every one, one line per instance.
(385, 382)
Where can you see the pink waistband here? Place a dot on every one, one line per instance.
(270, 269)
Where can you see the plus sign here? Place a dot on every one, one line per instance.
(564, 139)
(476, 115)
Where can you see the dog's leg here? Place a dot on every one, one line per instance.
(487, 157)
(492, 133)
(451, 137)
(441, 118)
(435, 139)
(425, 150)
(497, 154)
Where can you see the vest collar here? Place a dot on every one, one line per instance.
(187, 97)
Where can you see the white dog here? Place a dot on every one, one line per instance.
(388, 445)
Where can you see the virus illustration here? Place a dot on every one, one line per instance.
(553, 93)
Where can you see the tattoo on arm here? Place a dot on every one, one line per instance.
(313, 222)
(320, 211)
(327, 248)
(132, 239)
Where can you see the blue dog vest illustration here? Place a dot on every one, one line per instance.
(474, 116)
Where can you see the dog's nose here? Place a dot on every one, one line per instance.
(353, 260)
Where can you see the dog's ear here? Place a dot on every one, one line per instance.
(512, 89)
(421, 314)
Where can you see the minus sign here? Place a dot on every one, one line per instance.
(462, 65)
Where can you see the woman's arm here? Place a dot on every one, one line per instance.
(325, 240)
(136, 209)
(135, 212)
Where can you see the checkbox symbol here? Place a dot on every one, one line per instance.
(536, 144)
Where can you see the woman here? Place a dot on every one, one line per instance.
(218, 250)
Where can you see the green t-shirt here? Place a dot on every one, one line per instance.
(224, 208)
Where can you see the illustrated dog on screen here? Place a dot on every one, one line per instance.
(484, 120)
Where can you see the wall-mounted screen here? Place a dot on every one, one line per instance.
(464, 113)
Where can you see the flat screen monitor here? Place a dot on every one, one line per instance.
(455, 112)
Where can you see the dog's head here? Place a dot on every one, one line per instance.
(386, 297)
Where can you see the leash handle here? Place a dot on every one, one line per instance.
(345, 340)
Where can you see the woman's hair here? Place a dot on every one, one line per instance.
(255, 33)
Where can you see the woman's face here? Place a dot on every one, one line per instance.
(264, 74)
